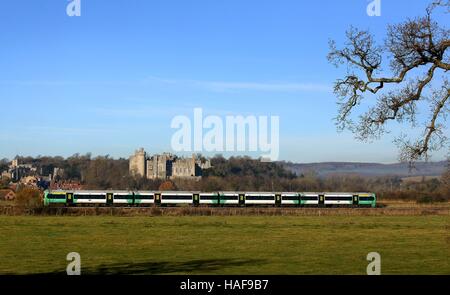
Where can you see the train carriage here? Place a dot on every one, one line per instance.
(290, 199)
(209, 198)
(337, 199)
(307, 199)
(86, 197)
(54, 197)
(367, 199)
(260, 198)
(231, 198)
(144, 198)
(123, 197)
(177, 198)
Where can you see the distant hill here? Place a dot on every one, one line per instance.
(368, 169)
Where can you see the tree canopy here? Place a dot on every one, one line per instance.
(418, 59)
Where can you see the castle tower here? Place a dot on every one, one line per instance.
(138, 163)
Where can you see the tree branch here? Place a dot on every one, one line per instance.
(414, 44)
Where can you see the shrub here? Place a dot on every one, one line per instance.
(167, 186)
(29, 198)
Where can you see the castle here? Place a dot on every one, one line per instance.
(166, 166)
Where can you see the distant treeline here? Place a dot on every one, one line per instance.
(237, 173)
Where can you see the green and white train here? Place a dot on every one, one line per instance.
(174, 198)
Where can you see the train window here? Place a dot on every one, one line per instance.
(91, 197)
(56, 196)
(255, 198)
(289, 198)
(229, 197)
(338, 198)
(208, 197)
(177, 197)
(366, 198)
(309, 198)
(123, 197)
(144, 197)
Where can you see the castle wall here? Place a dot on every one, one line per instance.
(164, 166)
(138, 163)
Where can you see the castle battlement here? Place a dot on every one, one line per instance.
(166, 166)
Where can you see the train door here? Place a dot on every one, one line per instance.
(157, 200)
(321, 200)
(109, 199)
(355, 200)
(278, 200)
(69, 199)
(218, 199)
(241, 199)
(196, 199)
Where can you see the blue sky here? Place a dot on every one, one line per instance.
(111, 80)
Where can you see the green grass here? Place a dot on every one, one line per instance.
(225, 245)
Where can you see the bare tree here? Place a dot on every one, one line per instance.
(419, 62)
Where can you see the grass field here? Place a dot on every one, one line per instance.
(225, 244)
